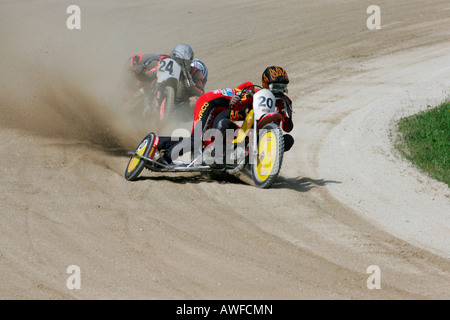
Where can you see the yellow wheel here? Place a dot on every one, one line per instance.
(269, 156)
(136, 163)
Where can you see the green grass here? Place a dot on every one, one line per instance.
(425, 141)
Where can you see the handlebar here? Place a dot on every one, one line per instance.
(247, 90)
(244, 91)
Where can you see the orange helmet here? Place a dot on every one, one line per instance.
(275, 79)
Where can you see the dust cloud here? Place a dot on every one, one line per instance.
(64, 83)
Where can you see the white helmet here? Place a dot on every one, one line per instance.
(183, 51)
(203, 69)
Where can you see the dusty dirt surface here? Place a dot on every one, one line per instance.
(344, 200)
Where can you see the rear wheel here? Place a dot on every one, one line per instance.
(136, 163)
(270, 149)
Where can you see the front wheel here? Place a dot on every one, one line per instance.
(136, 163)
(166, 105)
(270, 149)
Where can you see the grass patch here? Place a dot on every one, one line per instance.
(424, 139)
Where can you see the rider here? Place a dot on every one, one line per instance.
(207, 107)
(200, 65)
(143, 69)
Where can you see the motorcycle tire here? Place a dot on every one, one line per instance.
(169, 107)
(270, 149)
(137, 164)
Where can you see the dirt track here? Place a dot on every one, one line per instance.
(64, 200)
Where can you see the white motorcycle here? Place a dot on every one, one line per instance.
(161, 97)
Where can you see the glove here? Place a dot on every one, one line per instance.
(287, 107)
(236, 99)
(138, 69)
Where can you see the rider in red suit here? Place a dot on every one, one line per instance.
(276, 80)
(207, 107)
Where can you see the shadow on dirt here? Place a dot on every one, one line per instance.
(300, 184)
(296, 184)
(180, 178)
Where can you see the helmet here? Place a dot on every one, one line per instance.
(183, 51)
(275, 79)
(202, 67)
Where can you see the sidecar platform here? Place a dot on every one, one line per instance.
(178, 166)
